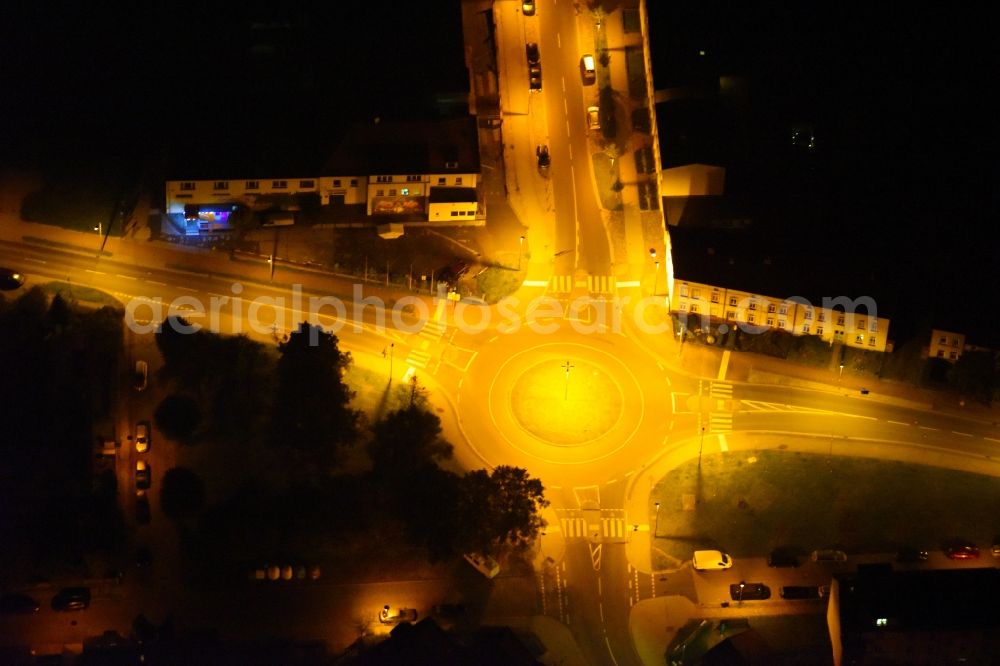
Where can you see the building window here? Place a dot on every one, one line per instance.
(458, 180)
(840, 320)
(696, 293)
(279, 184)
(187, 185)
(770, 321)
(940, 353)
(809, 314)
(413, 179)
(874, 327)
(954, 342)
(715, 297)
(753, 306)
(442, 181)
(392, 192)
(871, 342)
(354, 182)
(253, 185)
(943, 341)
(822, 316)
(383, 179)
(730, 315)
(783, 311)
(861, 325)
(454, 213)
(770, 309)
(732, 301)
(684, 290)
(751, 318)
(221, 185)
(336, 182)
(694, 307)
(952, 355)
(805, 328)
(858, 339)
(781, 324)
(307, 184)
(380, 193)
(819, 330)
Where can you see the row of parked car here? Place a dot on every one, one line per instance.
(715, 560)
(287, 572)
(66, 599)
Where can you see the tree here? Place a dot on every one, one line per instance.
(406, 440)
(974, 375)
(312, 414)
(178, 417)
(500, 508)
(183, 493)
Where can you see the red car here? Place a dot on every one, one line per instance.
(962, 551)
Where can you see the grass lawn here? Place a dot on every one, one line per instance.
(751, 502)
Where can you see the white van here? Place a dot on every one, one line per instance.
(484, 564)
(710, 560)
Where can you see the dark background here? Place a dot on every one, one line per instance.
(896, 200)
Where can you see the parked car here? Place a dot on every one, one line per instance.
(528, 7)
(782, 558)
(143, 475)
(710, 560)
(907, 554)
(587, 69)
(15, 603)
(389, 616)
(799, 592)
(828, 556)
(484, 564)
(962, 551)
(749, 591)
(142, 514)
(142, 436)
(995, 550)
(593, 118)
(10, 279)
(542, 152)
(141, 375)
(535, 77)
(534, 58)
(71, 599)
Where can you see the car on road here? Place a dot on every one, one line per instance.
(142, 514)
(542, 153)
(534, 58)
(14, 603)
(143, 475)
(995, 549)
(908, 554)
(593, 118)
(71, 599)
(710, 560)
(962, 551)
(142, 436)
(484, 564)
(10, 279)
(389, 616)
(828, 556)
(803, 591)
(782, 558)
(535, 77)
(528, 7)
(141, 375)
(587, 70)
(749, 591)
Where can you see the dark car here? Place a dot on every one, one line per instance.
(542, 152)
(10, 279)
(911, 555)
(17, 603)
(535, 77)
(142, 515)
(749, 591)
(800, 592)
(533, 56)
(143, 475)
(71, 599)
(389, 616)
(962, 551)
(782, 558)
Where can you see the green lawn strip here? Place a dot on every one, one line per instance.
(606, 175)
(788, 499)
(77, 293)
(497, 282)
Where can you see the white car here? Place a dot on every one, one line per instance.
(587, 68)
(593, 118)
(711, 560)
(484, 564)
(142, 436)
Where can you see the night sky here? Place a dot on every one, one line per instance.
(899, 185)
